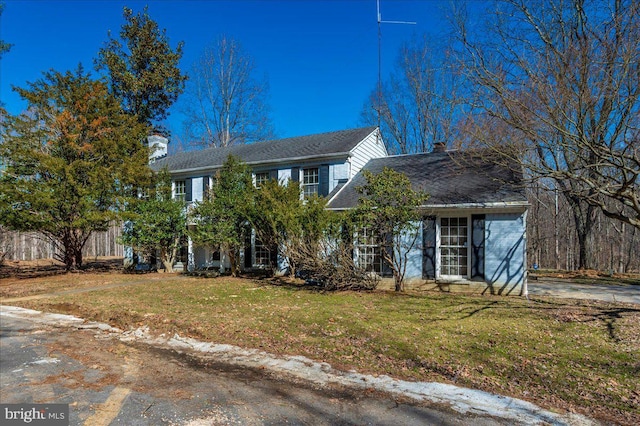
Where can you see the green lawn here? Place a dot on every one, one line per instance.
(561, 354)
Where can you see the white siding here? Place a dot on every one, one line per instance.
(370, 147)
(505, 246)
(284, 176)
(337, 172)
(196, 189)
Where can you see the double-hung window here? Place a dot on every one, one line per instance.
(310, 182)
(368, 249)
(261, 179)
(180, 190)
(454, 250)
(262, 254)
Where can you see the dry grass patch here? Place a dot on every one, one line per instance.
(571, 355)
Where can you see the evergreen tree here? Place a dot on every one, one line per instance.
(143, 73)
(72, 161)
(388, 209)
(221, 218)
(158, 223)
(4, 46)
(293, 225)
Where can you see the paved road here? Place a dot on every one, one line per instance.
(566, 289)
(109, 382)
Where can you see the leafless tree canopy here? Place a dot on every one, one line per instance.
(565, 76)
(552, 240)
(420, 103)
(225, 103)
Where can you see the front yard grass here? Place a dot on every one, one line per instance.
(561, 354)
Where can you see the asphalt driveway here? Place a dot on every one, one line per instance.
(570, 290)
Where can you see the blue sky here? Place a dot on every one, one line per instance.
(320, 57)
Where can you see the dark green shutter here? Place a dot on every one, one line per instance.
(273, 257)
(188, 190)
(477, 246)
(429, 247)
(248, 262)
(323, 180)
(295, 174)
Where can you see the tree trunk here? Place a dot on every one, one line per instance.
(398, 278)
(78, 256)
(168, 264)
(234, 259)
(399, 282)
(167, 257)
(583, 215)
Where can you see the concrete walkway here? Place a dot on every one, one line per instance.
(567, 289)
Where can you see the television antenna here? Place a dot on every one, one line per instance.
(380, 22)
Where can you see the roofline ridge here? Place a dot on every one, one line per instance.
(232, 148)
(421, 153)
(320, 134)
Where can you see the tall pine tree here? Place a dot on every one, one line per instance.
(143, 69)
(72, 161)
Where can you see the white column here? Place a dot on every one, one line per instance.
(191, 265)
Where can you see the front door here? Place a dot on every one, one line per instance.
(454, 247)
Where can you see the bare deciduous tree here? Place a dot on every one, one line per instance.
(565, 75)
(225, 103)
(419, 105)
(552, 240)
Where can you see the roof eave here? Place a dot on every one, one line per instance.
(487, 205)
(500, 205)
(323, 157)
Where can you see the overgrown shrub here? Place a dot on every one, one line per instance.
(331, 265)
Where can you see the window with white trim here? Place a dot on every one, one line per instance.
(262, 254)
(454, 246)
(310, 182)
(262, 178)
(368, 249)
(180, 189)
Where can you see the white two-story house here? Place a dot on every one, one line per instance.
(322, 163)
(472, 234)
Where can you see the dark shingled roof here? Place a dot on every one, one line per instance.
(453, 177)
(279, 150)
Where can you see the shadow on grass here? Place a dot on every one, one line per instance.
(314, 287)
(37, 271)
(289, 284)
(609, 318)
(488, 306)
(570, 312)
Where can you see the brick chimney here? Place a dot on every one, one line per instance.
(439, 147)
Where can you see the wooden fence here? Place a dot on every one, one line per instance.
(34, 246)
